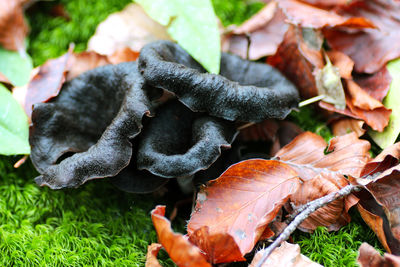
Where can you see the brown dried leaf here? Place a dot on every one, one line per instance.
(369, 48)
(180, 250)
(344, 63)
(309, 16)
(360, 98)
(220, 247)
(345, 125)
(287, 255)
(386, 190)
(378, 118)
(151, 257)
(376, 85)
(265, 34)
(135, 29)
(369, 257)
(323, 174)
(13, 28)
(375, 223)
(47, 83)
(243, 200)
(84, 61)
(297, 61)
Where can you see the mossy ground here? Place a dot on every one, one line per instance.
(97, 225)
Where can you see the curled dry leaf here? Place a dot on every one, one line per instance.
(245, 91)
(243, 200)
(377, 118)
(369, 48)
(100, 111)
(297, 61)
(369, 257)
(309, 16)
(13, 28)
(220, 247)
(376, 223)
(324, 173)
(47, 82)
(135, 29)
(265, 31)
(180, 250)
(344, 63)
(344, 126)
(287, 255)
(198, 145)
(376, 85)
(151, 257)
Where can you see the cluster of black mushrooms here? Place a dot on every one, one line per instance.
(94, 127)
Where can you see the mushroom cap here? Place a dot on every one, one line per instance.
(245, 90)
(94, 116)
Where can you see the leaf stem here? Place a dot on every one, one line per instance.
(311, 100)
(306, 211)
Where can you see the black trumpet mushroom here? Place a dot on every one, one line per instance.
(93, 128)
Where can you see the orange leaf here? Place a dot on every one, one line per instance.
(181, 251)
(243, 200)
(220, 247)
(323, 174)
(344, 126)
(151, 257)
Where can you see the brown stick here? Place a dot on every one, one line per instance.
(309, 208)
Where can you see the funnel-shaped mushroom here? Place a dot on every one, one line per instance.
(179, 142)
(94, 116)
(245, 90)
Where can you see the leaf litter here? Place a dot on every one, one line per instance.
(318, 45)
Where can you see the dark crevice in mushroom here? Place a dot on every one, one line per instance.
(179, 142)
(249, 91)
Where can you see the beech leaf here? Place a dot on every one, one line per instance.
(242, 201)
(391, 101)
(287, 255)
(381, 43)
(135, 29)
(13, 28)
(15, 67)
(193, 24)
(369, 257)
(179, 249)
(13, 125)
(324, 173)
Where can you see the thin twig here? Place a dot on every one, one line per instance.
(244, 126)
(313, 206)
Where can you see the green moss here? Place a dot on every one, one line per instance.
(308, 119)
(236, 11)
(95, 225)
(337, 248)
(50, 36)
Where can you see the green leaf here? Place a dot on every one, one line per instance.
(14, 130)
(16, 67)
(391, 101)
(193, 24)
